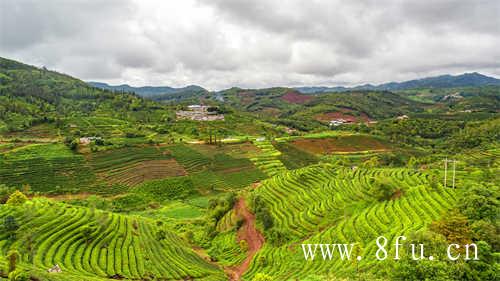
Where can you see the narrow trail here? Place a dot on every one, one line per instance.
(247, 232)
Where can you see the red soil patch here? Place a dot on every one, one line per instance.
(247, 232)
(294, 97)
(341, 144)
(246, 98)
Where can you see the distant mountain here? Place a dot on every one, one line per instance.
(443, 81)
(161, 92)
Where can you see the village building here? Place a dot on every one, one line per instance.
(87, 140)
(339, 121)
(198, 112)
(55, 269)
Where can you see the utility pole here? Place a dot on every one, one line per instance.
(454, 165)
(445, 170)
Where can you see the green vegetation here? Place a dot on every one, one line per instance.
(338, 206)
(97, 245)
(294, 158)
(268, 159)
(48, 168)
(109, 185)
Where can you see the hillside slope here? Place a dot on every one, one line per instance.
(155, 93)
(30, 95)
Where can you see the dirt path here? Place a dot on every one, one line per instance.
(249, 233)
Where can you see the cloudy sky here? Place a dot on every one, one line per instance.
(223, 43)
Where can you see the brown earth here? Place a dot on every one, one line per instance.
(246, 98)
(144, 171)
(340, 144)
(294, 97)
(249, 233)
(271, 111)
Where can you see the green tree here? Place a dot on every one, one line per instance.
(5, 192)
(480, 202)
(454, 226)
(87, 232)
(10, 225)
(17, 198)
(161, 235)
(382, 189)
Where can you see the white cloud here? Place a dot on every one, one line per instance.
(262, 43)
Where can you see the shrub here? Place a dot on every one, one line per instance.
(244, 245)
(382, 189)
(278, 237)
(5, 192)
(17, 198)
(161, 235)
(265, 217)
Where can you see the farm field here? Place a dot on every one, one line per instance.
(131, 166)
(50, 168)
(356, 216)
(341, 144)
(268, 159)
(98, 245)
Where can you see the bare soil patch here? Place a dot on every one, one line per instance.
(143, 171)
(247, 232)
(340, 144)
(294, 97)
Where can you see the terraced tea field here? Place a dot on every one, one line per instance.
(268, 159)
(101, 124)
(133, 165)
(95, 245)
(190, 159)
(323, 204)
(50, 168)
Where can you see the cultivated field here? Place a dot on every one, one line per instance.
(97, 245)
(340, 144)
(322, 204)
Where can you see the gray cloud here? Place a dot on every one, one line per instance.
(261, 43)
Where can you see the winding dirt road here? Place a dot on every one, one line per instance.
(247, 232)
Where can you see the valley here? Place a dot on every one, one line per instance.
(111, 184)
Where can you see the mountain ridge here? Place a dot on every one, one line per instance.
(441, 81)
(148, 91)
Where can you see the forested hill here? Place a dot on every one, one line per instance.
(31, 95)
(161, 93)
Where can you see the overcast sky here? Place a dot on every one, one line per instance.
(223, 43)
